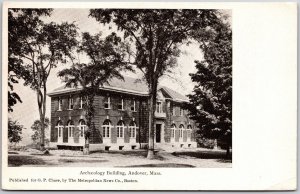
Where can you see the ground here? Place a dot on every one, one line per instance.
(201, 158)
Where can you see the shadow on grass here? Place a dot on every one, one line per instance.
(83, 161)
(24, 160)
(164, 165)
(136, 153)
(221, 155)
(142, 153)
(42, 154)
(13, 152)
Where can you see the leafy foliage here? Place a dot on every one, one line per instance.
(106, 61)
(155, 35)
(14, 131)
(37, 129)
(35, 48)
(21, 24)
(211, 100)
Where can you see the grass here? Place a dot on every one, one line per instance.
(79, 161)
(163, 165)
(15, 160)
(205, 155)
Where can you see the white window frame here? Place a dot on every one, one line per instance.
(173, 130)
(107, 102)
(159, 107)
(70, 129)
(106, 131)
(120, 131)
(181, 128)
(134, 109)
(82, 128)
(132, 131)
(71, 103)
(59, 130)
(59, 104)
(122, 104)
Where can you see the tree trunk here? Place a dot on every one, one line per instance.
(88, 107)
(151, 130)
(152, 105)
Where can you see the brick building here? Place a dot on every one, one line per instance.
(121, 117)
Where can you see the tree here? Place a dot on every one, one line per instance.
(14, 131)
(38, 47)
(105, 62)
(211, 100)
(36, 128)
(21, 25)
(156, 36)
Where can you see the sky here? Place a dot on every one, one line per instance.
(27, 112)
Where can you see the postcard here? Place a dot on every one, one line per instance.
(149, 96)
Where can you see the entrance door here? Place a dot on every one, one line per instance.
(157, 133)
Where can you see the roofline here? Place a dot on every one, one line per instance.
(172, 97)
(107, 88)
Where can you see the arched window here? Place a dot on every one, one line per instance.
(132, 129)
(59, 127)
(106, 127)
(181, 127)
(173, 128)
(120, 129)
(82, 127)
(71, 128)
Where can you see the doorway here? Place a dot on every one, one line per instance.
(158, 133)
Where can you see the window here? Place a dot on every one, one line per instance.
(173, 128)
(121, 104)
(71, 128)
(132, 129)
(120, 129)
(158, 107)
(71, 103)
(59, 127)
(174, 110)
(106, 128)
(133, 105)
(82, 127)
(81, 102)
(181, 127)
(181, 111)
(107, 102)
(59, 103)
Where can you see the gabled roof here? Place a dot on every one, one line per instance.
(174, 95)
(128, 85)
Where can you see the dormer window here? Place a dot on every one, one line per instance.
(59, 104)
(133, 106)
(107, 103)
(121, 104)
(71, 103)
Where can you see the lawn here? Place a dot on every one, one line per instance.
(199, 158)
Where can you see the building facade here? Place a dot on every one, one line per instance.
(121, 118)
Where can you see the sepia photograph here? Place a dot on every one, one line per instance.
(120, 87)
(145, 96)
